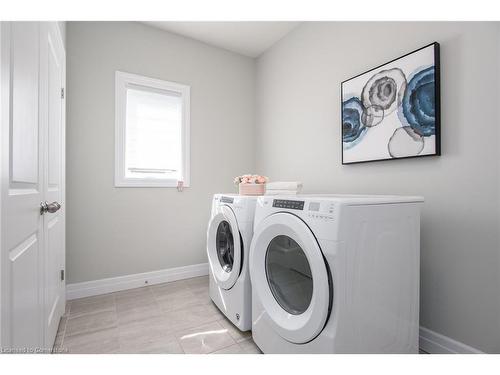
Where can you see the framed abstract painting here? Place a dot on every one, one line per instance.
(393, 111)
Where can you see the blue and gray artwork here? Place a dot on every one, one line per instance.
(393, 114)
(419, 105)
(383, 92)
(352, 124)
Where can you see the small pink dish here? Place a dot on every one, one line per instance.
(252, 189)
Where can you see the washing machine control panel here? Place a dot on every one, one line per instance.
(287, 203)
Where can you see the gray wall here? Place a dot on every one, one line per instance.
(298, 138)
(119, 231)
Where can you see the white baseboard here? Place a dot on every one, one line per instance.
(435, 343)
(115, 284)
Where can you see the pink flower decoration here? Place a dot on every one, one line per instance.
(250, 179)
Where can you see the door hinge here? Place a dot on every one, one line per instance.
(62, 275)
(62, 92)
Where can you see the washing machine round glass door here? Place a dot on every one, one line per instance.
(224, 247)
(289, 274)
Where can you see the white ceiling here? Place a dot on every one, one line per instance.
(247, 38)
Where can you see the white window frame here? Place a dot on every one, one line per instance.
(122, 82)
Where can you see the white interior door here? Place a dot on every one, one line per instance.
(52, 65)
(22, 187)
(32, 244)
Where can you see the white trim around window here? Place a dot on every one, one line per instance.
(124, 81)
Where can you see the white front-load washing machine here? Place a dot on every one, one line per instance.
(336, 274)
(229, 234)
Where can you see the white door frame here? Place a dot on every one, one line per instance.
(52, 44)
(1, 191)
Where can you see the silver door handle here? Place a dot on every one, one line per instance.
(49, 207)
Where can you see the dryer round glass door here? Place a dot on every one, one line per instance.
(290, 277)
(224, 247)
(289, 274)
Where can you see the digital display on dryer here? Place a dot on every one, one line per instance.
(314, 206)
(226, 199)
(285, 203)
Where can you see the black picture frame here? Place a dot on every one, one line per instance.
(437, 97)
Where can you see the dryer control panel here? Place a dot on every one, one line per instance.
(321, 210)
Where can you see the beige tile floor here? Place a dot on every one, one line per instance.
(176, 317)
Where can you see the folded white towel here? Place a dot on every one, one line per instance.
(281, 192)
(283, 185)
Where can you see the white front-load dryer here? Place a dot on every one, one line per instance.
(229, 235)
(336, 274)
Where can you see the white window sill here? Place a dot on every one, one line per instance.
(145, 183)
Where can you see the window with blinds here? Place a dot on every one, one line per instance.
(152, 132)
